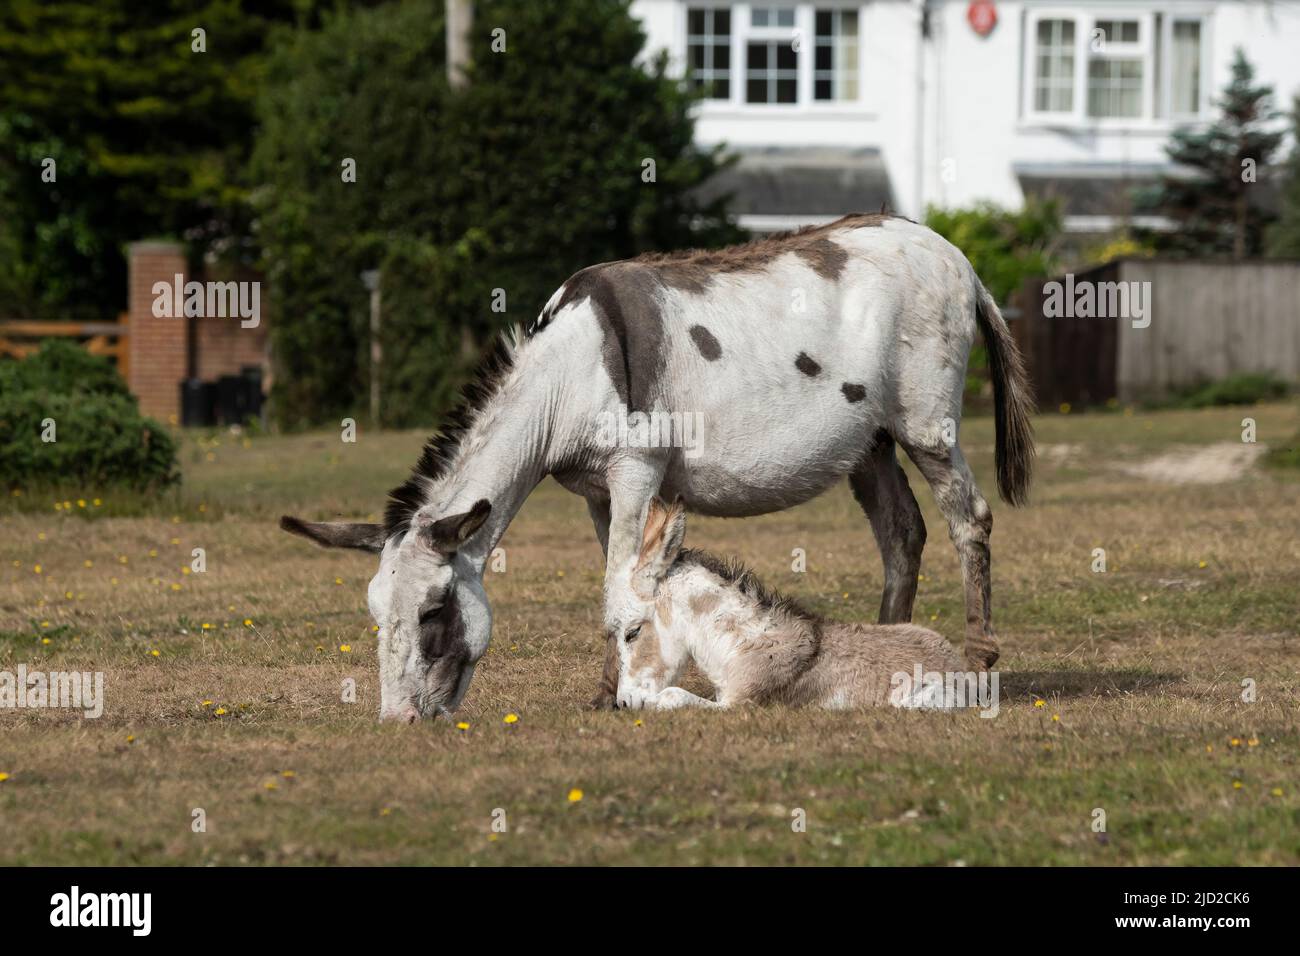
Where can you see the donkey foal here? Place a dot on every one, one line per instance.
(753, 645)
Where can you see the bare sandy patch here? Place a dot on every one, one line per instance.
(1205, 465)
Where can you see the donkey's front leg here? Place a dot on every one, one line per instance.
(671, 698)
(633, 480)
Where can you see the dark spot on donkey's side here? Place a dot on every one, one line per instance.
(706, 343)
(806, 365)
(854, 393)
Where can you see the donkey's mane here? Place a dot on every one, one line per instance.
(733, 572)
(439, 451)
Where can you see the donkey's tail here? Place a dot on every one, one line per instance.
(1011, 399)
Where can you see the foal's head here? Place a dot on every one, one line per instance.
(651, 653)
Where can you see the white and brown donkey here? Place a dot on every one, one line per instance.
(757, 647)
(806, 357)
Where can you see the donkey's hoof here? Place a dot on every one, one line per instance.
(604, 700)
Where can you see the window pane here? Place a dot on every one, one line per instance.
(721, 57)
(786, 91)
(785, 17)
(756, 91)
(1186, 67)
(757, 56)
(1054, 66)
(758, 16)
(708, 52)
(835, 55)
(721, 22)
(786, 58)
(695, 21)
(1114, 87)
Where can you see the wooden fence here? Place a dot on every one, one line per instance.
(1203, 321)
(19, 338)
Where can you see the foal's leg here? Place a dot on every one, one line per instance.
(969, 525)
(881, 487)
(672, 698)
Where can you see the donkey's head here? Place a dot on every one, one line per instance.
(639, 626)
(428, 600)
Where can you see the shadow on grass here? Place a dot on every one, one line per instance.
(1079, 683)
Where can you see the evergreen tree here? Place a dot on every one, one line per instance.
(1210, 200)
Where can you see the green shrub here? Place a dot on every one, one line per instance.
(1245, 388)
(62, 367)
(101, 439)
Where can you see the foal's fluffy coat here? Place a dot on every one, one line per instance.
(753, 645)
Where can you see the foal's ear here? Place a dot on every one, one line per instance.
(337, 534)
(661, 542)
(449, 533)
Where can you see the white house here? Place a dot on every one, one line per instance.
(837, 106)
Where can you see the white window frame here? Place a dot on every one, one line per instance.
(805, 25)
(1085, 20)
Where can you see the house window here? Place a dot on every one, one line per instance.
(1115, 66)
(1115, 69)
(1054, 67)
(835, 55)
(708, 51)
(771, 62)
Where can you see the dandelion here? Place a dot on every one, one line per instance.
(185, 570)
(67, 595)
(512, 718)
(338, 580)
(271, 785)
(1209, 748)
(88, 563)
(154, 653)
(559, 574)
(1040, 703)
(1065, 408)
(207, 703)
(1276, 791)
(248, 622)
(130, 738)
(385, 811)
(207, 626)
(221, 712)
(37, 568)
(176, 540)
(176, 587)
(3, 776)
(45, 623)
(203, 509)
(121, 559)
(97, 502)
(374, 628)
(176, 519)
(462, 725)
(1203, 564)
(345, 648)
(81, 502)
(1236, 741)
(638, 722)
(40, 536)
(1252, 742)
(575, 795)
(1056, 718)
(288, 774)
(113, 581)
(46, 640)
(1236, 785)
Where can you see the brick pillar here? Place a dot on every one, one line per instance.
(158, 345)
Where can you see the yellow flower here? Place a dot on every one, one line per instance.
(288, 774)
(203, 509)
(37, 569)
(345, 648)
(575, 795)
(385, 811)
(512, 718)
(1040, 703)
(338, 580)
(46, 640)
(1277, 791)
(207, 703)
(1236, 741)
(271, 785)
(1252, 742)
(1056, 717)
(638, 722)
(67, 595)
(81, 502)
(220, 711)
(374, 628)
(1065, 408)
(121, 559)
(207, 626)
(176, 587)
(1209, 748)
(130, 738)
(3, 776)
(176, 540)
(1203, 564)
(176, 519)
(153, 653)
(88, 563)
(1236, 785)
(97, 502)
(45, 623)
(248, 622)
(184, 570)
(462, 726)
(40, 536)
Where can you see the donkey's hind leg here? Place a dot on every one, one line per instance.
(969, 524)
(880, 486)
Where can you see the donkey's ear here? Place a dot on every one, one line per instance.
(661, 542)
(337, 534)
(449, 533)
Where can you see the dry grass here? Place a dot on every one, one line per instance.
(1139, 671)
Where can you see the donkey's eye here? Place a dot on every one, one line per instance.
(631, 634)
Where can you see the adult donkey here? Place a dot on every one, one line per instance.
(807, 356)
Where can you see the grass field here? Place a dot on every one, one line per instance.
(1122, 691)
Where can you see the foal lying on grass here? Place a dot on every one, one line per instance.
(752, 644)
